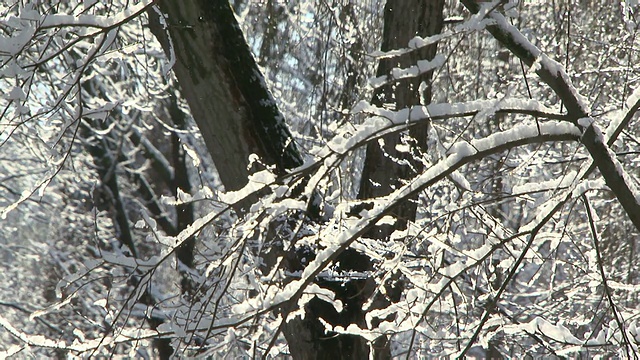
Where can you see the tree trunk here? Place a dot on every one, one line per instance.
(225, 91)
(110, 199)
(237, 117)
(403, 20)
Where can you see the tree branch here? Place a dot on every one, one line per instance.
(553, 74)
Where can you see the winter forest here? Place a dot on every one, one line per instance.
(319, 179)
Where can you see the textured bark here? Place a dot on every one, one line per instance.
(237, 117)
(382, 173)
(224, 88)
(227, 96)
(403, 20)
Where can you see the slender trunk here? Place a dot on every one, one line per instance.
(184, 212)
(106, 161)
(106, 157)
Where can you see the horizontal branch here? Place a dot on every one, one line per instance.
(104, 23)
(384, 121)
(335, 240)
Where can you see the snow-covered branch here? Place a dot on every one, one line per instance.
(555, 75)
(336, 241)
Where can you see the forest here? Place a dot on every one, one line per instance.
(319, 179)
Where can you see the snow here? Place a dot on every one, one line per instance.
(26, 194)
(516, 133)
(33, 340)
(460, 153)
(193, 155)
(542, 61)
(542, 326)
(256, 182)
(475, 23)
(585, 121)
(414, 44)
(10, 46)
(585, 185)
(460, 180)
(16, 93)
(288, 204)
(422, 66)
(124, 336)
(60, 20)
(619, 118)
(101, 22)
(353, 329)
(314, 290)
(561, 182)
(383, 120)
(341, 231)
(633, 99)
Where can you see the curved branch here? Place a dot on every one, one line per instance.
(460, 154)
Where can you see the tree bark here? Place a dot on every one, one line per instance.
(225, 91)
(237, 117)
(403, 20)
(227, 95)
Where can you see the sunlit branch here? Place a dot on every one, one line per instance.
(554, 75)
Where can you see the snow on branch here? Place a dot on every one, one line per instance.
(553, 74)
(621, 121)
(125, 336)
(475, 23)
(421, 67)
(104, 23)
(335, 240)
(384, 121)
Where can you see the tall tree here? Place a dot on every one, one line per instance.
(385, 169)
(252, 112)
(228, 98)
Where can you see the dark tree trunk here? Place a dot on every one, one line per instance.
(109, 197)
(107, 155)
(403, 21)
(225, 91)
(184, 212)
(237, 117)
